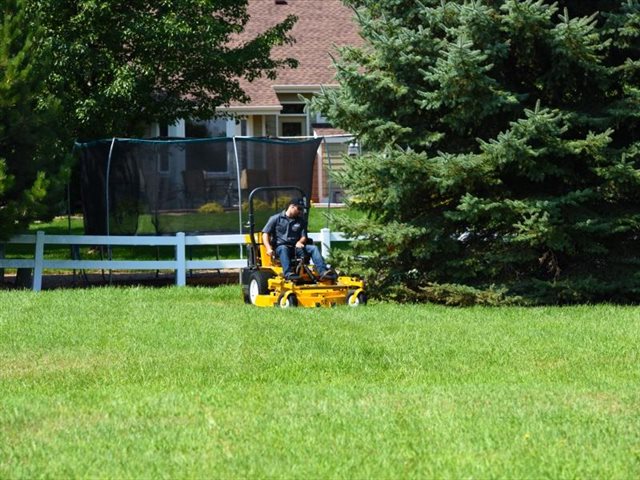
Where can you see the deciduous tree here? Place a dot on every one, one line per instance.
(120, 65)
(86, 69)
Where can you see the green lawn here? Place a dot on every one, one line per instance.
(189, 382)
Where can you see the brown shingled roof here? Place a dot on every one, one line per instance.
(322, 25)
(329, 131)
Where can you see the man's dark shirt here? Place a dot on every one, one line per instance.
(285, 230)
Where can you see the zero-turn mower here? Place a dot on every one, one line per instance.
(264, 284)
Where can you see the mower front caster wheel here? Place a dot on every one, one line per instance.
(287, 301)
(356, 300)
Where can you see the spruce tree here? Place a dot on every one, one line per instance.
(504, 152)
(31, 167)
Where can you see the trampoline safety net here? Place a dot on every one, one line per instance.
(137, 187)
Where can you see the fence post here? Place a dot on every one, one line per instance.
(325, 241)
(181, 260)
(39, 262)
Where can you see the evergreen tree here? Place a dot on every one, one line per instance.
(30, 134)
(504, 148)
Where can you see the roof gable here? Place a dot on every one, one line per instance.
(322, 26)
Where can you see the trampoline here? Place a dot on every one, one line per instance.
(163, 186)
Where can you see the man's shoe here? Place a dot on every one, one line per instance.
(292, 277)
(328, 275)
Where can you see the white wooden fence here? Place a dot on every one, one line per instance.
(180, 263)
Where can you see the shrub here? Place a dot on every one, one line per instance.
(259, 205)
(211, 207)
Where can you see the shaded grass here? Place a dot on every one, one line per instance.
(190, 382)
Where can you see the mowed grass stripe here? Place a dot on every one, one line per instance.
(190, 382)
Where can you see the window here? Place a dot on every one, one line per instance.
(292, 129)
(210, 157)
(292, 109)
(163, 161)
(205, 128)
(271, 126)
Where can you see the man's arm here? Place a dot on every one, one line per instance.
(303, 236)
(267, 232)
(266, 241)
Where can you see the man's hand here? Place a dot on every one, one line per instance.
(301, 242)
(269, 251)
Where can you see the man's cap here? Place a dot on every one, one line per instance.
(297, 201)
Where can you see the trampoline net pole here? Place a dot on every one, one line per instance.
(235, 154)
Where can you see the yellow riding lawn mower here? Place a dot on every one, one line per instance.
(264, 284)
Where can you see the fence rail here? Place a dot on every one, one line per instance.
(180, 264)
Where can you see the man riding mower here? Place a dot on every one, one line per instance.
(278, 272)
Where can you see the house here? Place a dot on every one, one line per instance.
(276, 108)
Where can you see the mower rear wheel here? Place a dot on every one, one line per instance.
(258, 285)
(358, 300)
